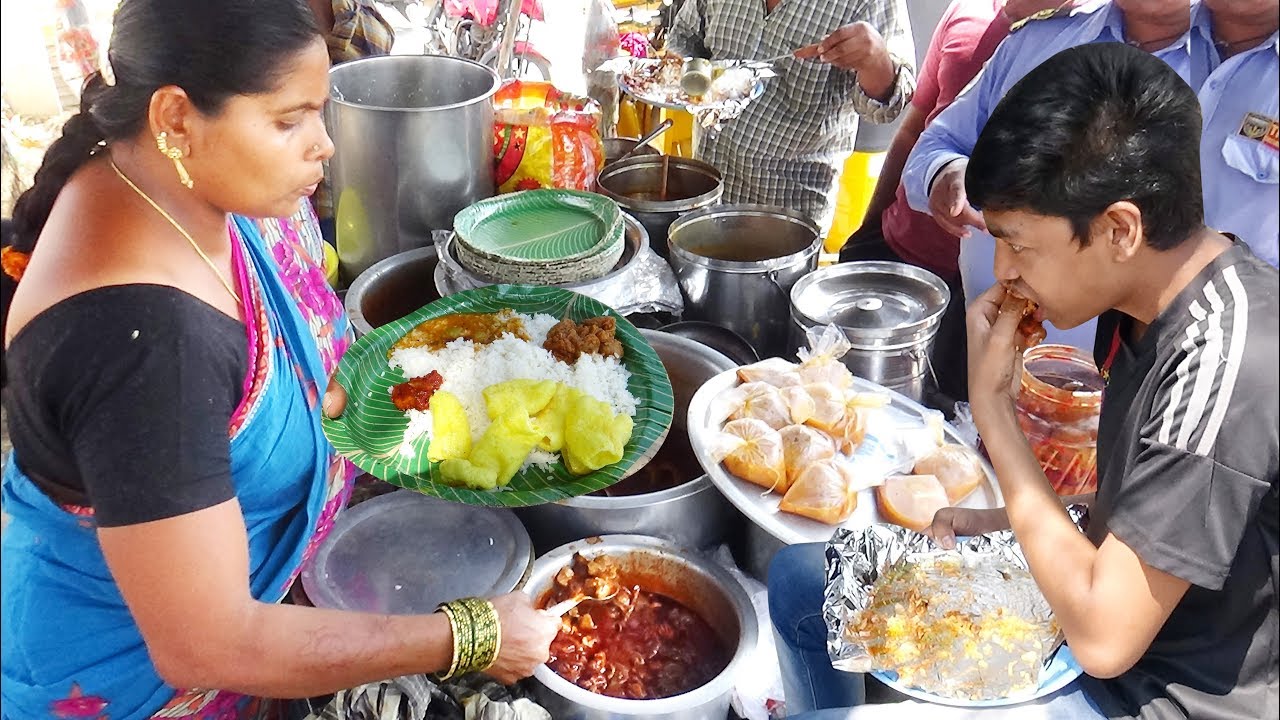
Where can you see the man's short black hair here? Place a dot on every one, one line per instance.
(1091, 126)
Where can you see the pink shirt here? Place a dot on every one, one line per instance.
(966, 37)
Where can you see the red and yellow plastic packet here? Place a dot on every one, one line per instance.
(545, 139)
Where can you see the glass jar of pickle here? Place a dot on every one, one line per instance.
(1058, 408)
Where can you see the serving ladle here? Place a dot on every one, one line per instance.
(645, 140)
(565, 606)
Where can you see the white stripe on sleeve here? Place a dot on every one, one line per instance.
(1235, 354)
(1206, 373)
(1190, 348)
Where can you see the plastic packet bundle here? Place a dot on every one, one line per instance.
(545, 139)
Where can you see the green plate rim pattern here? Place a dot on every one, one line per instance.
(469, 221)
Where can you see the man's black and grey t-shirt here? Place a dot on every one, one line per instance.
(1188, 451)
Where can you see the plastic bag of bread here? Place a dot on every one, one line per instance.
(957, 467)
(799, 402)
(828, 405)
(775, 371)
(762, 401)
(752, 450)
(858, 409)
(801, 447)
(911, 500)
(820, 362)
(824, 492)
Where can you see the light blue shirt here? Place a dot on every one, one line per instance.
(954, 132)
(1241, 174)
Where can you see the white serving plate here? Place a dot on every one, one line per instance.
(762, 507)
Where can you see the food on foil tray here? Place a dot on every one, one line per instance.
(635, 644)
(658, 79)
(966, 624)
(943, 624)
(497, 391)
(735, 83)
(732, 83)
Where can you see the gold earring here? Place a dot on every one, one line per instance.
(174, 154)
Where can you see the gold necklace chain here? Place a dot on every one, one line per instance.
(195, 246)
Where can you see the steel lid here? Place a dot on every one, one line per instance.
(405, 553)
(871, 299)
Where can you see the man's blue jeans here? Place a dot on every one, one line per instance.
(796, 581)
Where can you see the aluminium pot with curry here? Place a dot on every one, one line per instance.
(666, 644)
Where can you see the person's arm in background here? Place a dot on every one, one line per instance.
(923, 101)
(945, 144)
(942, 57)
(687, 36)
(895, 158)
(878, 56)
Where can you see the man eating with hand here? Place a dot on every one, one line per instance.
(1088, 175)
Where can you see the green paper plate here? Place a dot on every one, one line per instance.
(540, 226)
(371, 430)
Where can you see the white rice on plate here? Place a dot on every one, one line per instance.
(467, 370)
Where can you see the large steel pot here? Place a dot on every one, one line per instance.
(689, 578)
(736, 265)
(413, 145)
(636, 185)
(693, 513)
(392, 288)
(890, 311)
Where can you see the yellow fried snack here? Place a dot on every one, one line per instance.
(518, 396)
(450, 431)
(593, 436)
(526, 414)
(552, 419)
(497, 455)
(462, 473)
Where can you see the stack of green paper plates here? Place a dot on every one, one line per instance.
(370, 431)
(540, 237)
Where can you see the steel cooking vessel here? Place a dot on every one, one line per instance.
(736, 265)
(890, 311)
(392, 288)
(616, 147)
(689, 578)
(413, 145)
(693, 513)
(636, 184)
